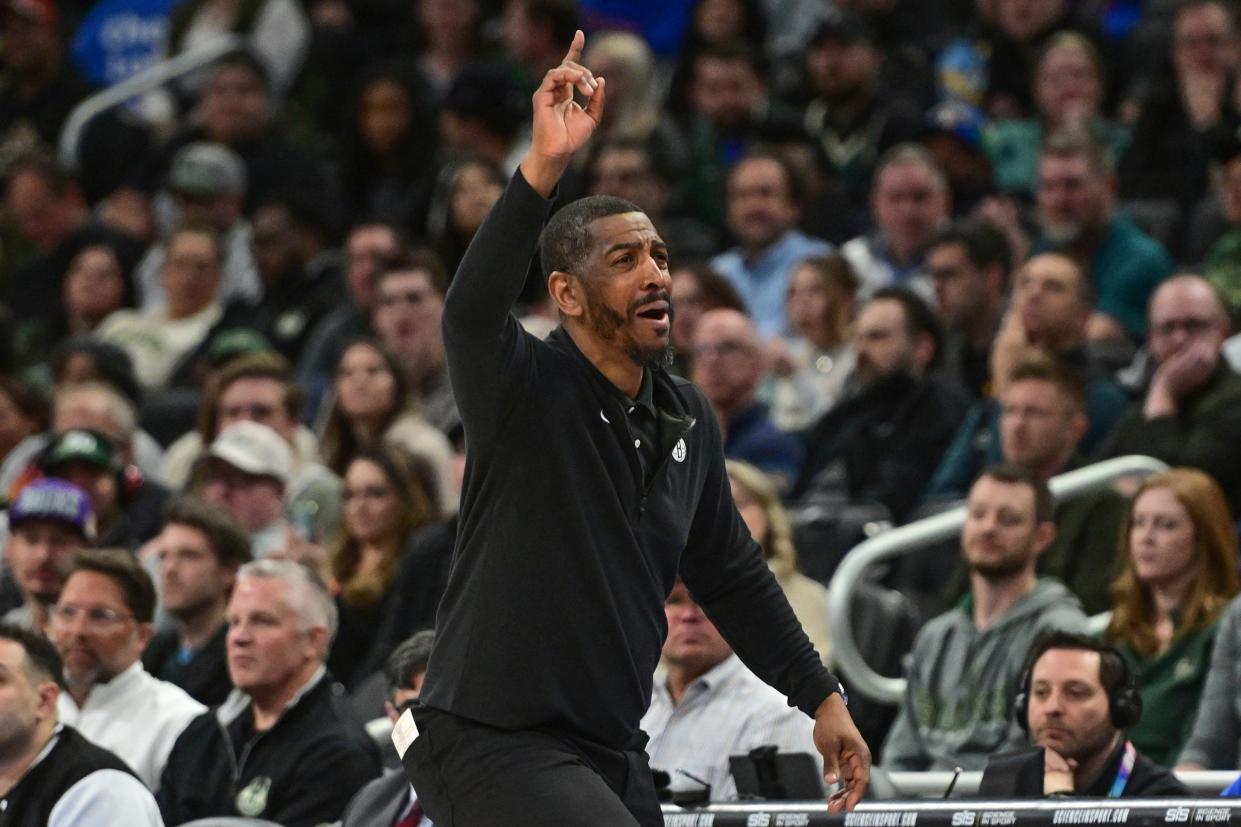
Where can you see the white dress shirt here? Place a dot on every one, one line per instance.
(136, 716)
(727, 711)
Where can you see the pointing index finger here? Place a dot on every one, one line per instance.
(575, 50)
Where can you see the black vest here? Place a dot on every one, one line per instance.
(30, 803)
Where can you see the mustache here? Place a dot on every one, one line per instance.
(638, 304)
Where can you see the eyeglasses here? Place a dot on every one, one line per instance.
(97, 617)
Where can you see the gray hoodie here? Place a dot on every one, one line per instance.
(957, 709)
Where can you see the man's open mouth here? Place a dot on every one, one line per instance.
(657, 312)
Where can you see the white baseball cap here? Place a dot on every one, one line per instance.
(255, 449)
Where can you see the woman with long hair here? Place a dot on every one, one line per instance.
(768, 522)
(386, 499)
(372, 404)
(386, 168)
(467, 191)
(96, 284)
(809, 370)
(1180, 570)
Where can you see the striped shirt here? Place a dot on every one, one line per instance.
(727, 711)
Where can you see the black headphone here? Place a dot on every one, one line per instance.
(1124, 702)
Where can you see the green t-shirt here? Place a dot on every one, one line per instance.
(1171, 686)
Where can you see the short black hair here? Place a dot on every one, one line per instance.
(984, 244)
(566, 241)
(920, 319)
(1044, 502)
(1114, 673)
(44, 661)
(408, 660)
(229, 542)
(124, 570)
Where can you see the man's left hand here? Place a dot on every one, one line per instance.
(846, 758)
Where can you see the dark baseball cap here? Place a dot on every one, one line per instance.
(53, 500)
(232, 342)
(81, 445)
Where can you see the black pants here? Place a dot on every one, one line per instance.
(467, 774)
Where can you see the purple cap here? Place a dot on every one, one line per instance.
(56, 501)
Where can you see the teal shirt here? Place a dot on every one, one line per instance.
(1127, 267)
(1171, 686)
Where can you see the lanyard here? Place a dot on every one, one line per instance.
(1126, 769)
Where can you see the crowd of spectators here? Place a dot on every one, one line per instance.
(924, 253)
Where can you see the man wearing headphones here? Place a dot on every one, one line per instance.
(129, 509)
(1077, 697)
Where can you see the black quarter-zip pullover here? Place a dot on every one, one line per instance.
(553, 616)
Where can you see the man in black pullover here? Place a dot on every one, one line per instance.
(593, 478)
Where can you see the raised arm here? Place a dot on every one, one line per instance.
(483, 342)
(561, 126)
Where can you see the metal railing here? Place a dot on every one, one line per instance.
(148, 80)
(919, 535)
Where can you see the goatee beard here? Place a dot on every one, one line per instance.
(662, 358)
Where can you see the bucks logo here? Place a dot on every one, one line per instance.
(252, 801)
